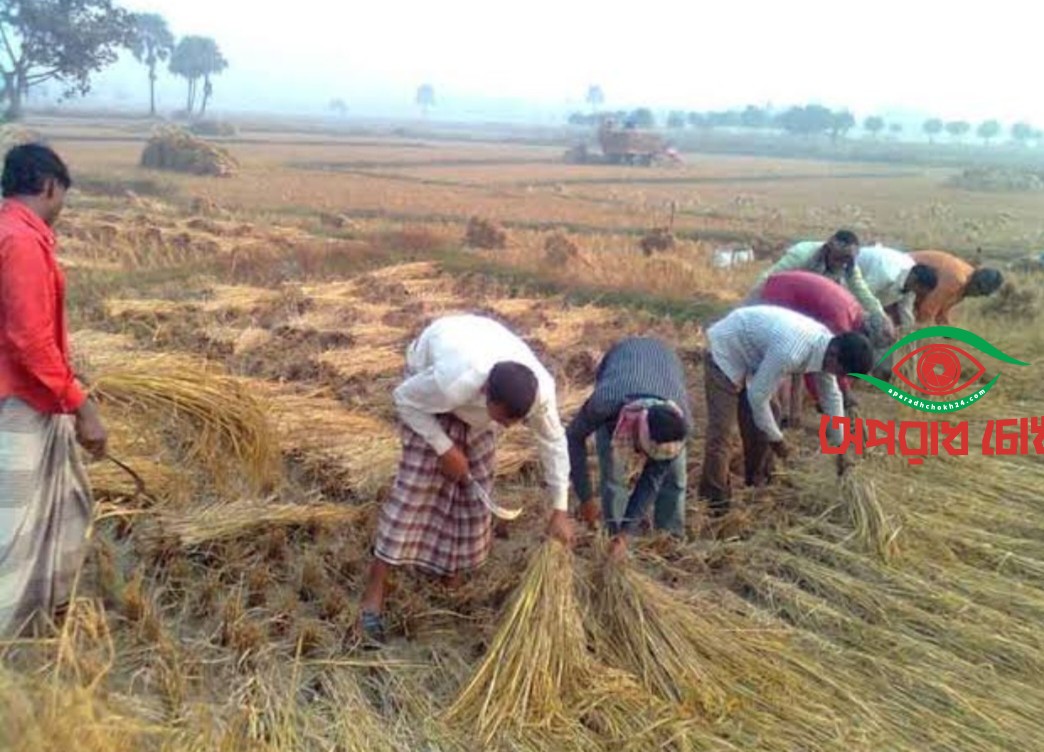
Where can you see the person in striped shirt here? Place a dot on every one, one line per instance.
(639, 408)
(829, 303)
(898, 281)
(749, 353)
(835, 259)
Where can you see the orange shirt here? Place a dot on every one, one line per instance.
(954, 274)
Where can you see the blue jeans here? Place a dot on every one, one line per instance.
(663, 482)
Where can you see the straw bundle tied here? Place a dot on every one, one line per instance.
(240, 518)
(218, 422)
(538, 685)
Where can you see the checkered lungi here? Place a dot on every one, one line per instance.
(430, 522)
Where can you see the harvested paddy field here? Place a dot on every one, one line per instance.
(216, 608)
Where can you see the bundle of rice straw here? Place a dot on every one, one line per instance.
(239, 518)
(871, 527)
(219, 424)
(640, 627)
(718, 664)
(539, 685)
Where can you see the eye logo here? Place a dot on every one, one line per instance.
(938, 369)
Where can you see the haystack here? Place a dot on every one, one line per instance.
(559, 250)
(659, 239)
(172, 148)
(483, 233)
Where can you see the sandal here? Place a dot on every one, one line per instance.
(372, 628)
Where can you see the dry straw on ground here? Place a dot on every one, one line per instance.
(538, 683)
(871, 527)
(197, 526)
(220, 425)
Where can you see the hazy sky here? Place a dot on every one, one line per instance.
(916, 55)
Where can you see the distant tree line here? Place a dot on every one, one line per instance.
(68, 41)
(808, 121)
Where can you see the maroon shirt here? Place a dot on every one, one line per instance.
(817, 297)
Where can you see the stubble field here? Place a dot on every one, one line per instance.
(216, 611)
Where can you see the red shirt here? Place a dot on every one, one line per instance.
(815, 296)
(34, 342)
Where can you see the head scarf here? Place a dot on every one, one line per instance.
(632, 432)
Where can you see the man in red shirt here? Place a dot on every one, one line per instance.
(830, 304)
(45, 500)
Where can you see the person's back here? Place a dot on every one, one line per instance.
(740, 341)
(477, 343)
(642, 366)
(816, 296)
(882, 268)
(953, 276)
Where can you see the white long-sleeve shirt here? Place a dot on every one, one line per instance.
(885, 271)
(757, 346)
(449, 364)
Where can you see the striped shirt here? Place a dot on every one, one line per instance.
(633, 368)
(758, 346)
(885, 271)
(449, 364)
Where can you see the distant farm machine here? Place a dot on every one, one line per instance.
(626, 145)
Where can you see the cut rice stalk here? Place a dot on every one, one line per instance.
(218, 421)
(240, 518)
(536, 659)
(538, 681)
(872, 528)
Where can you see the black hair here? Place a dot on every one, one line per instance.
(855, 352)
(28, 167)
(666, 425)
(925, 276)
(514, 387)
(985, 281)
(845, 237)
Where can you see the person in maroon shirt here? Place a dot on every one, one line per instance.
(45, 499)
(827, 302)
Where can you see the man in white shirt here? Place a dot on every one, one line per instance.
(749, 353)
(897, 280)
(465, 373)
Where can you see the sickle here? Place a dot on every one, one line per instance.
(497, 510)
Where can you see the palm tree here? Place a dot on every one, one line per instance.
(151, 43)
(195, 58)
